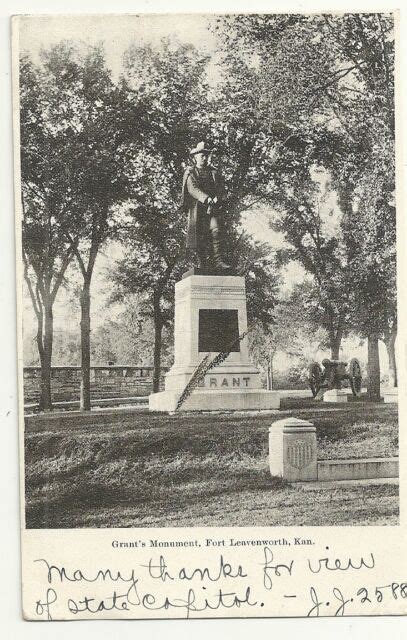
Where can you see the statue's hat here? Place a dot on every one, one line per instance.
(201, 147)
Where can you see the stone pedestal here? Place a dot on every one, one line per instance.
(336, 395)
(293, 450)
(210, 315)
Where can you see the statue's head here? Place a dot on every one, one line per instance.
(200, 154)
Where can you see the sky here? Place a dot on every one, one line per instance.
(116, 32)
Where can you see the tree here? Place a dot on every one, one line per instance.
(293, 145)
(92, 127)
(153, 228)
(99, 120)
(243, 144)
(295, 329)
(129, 338)
(366, 182)
(262, 345)
(313, 233)
(338, 114)
(372, 250)
(49, 237)
(149, 270)
(260, 270)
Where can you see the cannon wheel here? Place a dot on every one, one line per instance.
(355, 377)
(315, 377)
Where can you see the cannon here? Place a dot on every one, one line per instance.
(333, 374)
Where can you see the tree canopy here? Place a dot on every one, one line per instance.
(301, 114)
(338, 115)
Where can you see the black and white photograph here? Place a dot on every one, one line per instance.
(206, 232)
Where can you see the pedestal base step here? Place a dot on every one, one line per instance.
(216, 400)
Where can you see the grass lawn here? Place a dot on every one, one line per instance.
(202, 470)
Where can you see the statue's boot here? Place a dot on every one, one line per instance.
(217, 254)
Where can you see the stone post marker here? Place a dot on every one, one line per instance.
(293, 450)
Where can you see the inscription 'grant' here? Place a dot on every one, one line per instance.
(222, 383)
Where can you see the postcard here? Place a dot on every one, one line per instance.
(210, 305)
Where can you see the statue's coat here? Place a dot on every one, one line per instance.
(196, 188)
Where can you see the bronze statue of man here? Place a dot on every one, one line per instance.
(202, 194)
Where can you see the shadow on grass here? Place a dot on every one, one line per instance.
(183, 490)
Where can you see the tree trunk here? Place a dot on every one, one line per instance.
(391, 353)
(42, 297)
(270, 372)
(335, 340)
(85, 345)
(40, 346)
(373, 368)
(45, 403)
(158, 326)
